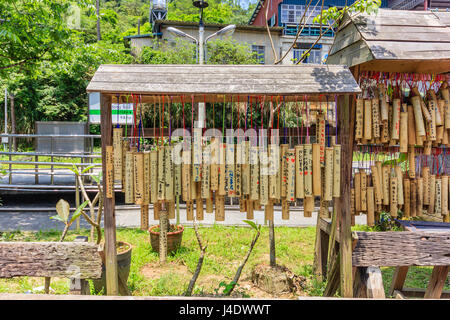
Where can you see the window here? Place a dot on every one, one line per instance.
(272, 21)
(291, 14)
(314, 56)
(259, 52)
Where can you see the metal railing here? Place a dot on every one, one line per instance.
(13, 166)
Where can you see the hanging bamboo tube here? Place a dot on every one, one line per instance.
(352, 201)
(199, 201)
(205, 183)
(238, 171)
(439, 134)
(399, 174)
(274, 182)
(377, 186)
(242, 206)
(411, 126)
(442, 108)
(308, 206)
(161, 175)
(376, 118)
(316, 169)
(197, 154)
(210, 203)
(290, 191)
(383, 103)
(328, 181)
(403, 131)
(156, 209)
(426, 114)
(308, 169)
(426, 185)
(444, 200)
(413, 205)
(254, 174)
(186, 176)
(190, 210)
(268, 211)
(367, 119)
(380, 178)
(118, 157)
(445, 95)
(432, 123)
(284, 209)
(337, 170)
(153, 176)
(432, 188)
(420, 193)
(407, 197)
(420, 127)
(214, 168)
(320, 137)
(222, 175)
(129, 177)
(246, 167)
(438, 197)
(386, 182)
(220, 208)
(109, 177)
(395, 130)
(363, 190)
(168, 171)
(263, 179)
(299, 183)
(412, 162)
(138, 172)
(357, 184)
(384, 132)
(171, 209)
(393, 194)
(433, 101)
(230, 172)
(370, 207)
(359, 120)
(177, 184)
(283, 166)
(249, 207)
(146, 177)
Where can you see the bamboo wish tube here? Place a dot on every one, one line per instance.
(205, 183)
(359, 119)
(426, 185)
(399, 174)
(222, 174)
(432, 123)
(386, 182)
(197, 154)
(168, 171)
(214, 168)
(413, 197)
(367, 119)
(283, 166)
(377, 186)
(129, 177)
(357, 184)
(407, 197)
(420, 126)
(210, 203)
(438, 197)
(363, 191)
(299, 183)
(308, 169)
(161, 175)
(383, 103)
(138, 172)
(445, 95)
(395, 130)
(186, 176)
(177, 184)
(370, 207)
(118, 157)
(376, 118)
(412, 162)
(316, 169)
(290, 191)
(403, 132)
(154, 176)
(432, 188)
(393, 194)
(254, 174)
(263, 180)
(444, 200)
(385, 132)
(308, 206)
(238, 170)
(125, 148)
(433, 101)
(199, 202)
(249, 207)
(411, 127)
(146, 178)
(336, 171)
(190, 210)
(230, 172)
(420, 192)
(284, 209)
(274, 181)
(268, 211)
(380, 179)
(328, 180)
(246, 168)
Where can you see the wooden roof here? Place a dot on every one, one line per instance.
(232, 80)
(394, 41)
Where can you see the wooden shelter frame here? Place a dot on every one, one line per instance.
(206, 83)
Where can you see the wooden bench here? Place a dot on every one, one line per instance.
(77, 261)
(399, 249)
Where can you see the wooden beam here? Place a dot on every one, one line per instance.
(112, 284)
(398, 279)
(437, 282)
(420, 293)
(346, 123)
(50, 259)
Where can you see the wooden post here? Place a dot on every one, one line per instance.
(346, 121)
(112, 283)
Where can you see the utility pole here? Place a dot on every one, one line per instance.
(99, 36)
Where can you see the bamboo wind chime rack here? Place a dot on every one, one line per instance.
(253, 160)
(402, 134)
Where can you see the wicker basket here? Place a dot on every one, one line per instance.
(173, 239)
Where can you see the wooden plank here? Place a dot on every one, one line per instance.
(409, 50)
(386, 17)
(409, 33)
(345, 37)
(398, 279)
(50, 259)
(417, 248)
(420, 293)
(437, 282)
(112, 283)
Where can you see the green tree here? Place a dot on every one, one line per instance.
(229, 51)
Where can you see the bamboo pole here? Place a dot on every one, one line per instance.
(395, 130)
(418, 116)
(407, 197)
(370, 207)
(404, 131)
(316, 169)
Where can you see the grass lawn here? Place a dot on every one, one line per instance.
(227, 247)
